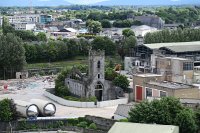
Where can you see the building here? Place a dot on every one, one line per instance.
(45, 19)
(174, 69)
(125, 127)
(173, 26)
(34, 18)
(151, 86)
(153, 21)
(94, 84)
(24, 26)
(143, 30)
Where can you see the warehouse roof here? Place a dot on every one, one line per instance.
(159, 45)
(183, 48)
(125, 127)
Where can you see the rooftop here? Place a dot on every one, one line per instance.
(123, 109)
(159, 45)
(184, 48)
(148, 75)
(171, 85)
(177, 58)
(126, 127)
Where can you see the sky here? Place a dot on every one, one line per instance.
(98, 2)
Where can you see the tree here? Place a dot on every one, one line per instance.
(6, 27)
(104, 43)
(12, 55)
(42, 37)
(122, 82)
(167, 111)
(110, 74)
(128, 32)
(106, 23)
(94, 26)
(8, 111)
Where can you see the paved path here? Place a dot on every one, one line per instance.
(62, 111)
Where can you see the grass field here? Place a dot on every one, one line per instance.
(69, 63)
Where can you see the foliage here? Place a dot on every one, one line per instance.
(71, 98)
(106, 23)
(8, 110)
(123, 120)
(83, 124)
(92, 126)
(12, 55)
(125, 23)
(179, 35)
(42, 36)
(104, 43)
(128, 32)
(167, 111)
(94, 26)
(110, 74)
(122, 82)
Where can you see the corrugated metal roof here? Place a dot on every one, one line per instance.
(125, 127)
(184, 48)
(159, 45)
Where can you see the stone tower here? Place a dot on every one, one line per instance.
(96, 65)
(96, 73)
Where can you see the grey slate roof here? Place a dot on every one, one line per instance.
(123, 110)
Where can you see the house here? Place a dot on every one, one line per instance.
(122, 111)
(125, 127)
(152, 86)
(173, 26)
(174, 69)
(94, 84)
(64, 33)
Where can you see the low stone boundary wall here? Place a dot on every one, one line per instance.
(85, 104)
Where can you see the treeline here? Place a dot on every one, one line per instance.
(186, 15)
(179, 35)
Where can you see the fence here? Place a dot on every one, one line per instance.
(85, 104)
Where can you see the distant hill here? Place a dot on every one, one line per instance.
(34, 2)
(107, 2)
(149, 2)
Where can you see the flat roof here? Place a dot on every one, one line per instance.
(171, 85)
(148, 75)
(159, 45)
(177, 58)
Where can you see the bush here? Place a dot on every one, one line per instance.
(121, 81)
(83, 124)
(92, 126)
(123, 120)
(110, 74)
(8, 110)
(73, 122)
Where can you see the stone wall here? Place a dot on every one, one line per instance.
(101, 123)
(85, 104)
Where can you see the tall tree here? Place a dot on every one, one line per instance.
(94, 26)
(12, 54)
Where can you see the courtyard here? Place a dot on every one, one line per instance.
(34, 88)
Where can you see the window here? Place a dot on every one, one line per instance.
(148, 92)
(98, 64)
(187, 66)
(163, 94)
(99, 76)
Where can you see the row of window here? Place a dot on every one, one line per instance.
(149, 93)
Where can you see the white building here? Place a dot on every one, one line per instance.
(143, 30)
(24, 26)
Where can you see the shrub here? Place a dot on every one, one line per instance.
(73, 122)
(123, 120)
(122, 82)
(92, 126)
(83, 124)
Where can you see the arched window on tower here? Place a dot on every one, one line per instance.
(98, 64)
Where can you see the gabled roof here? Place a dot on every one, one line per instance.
(125, 127)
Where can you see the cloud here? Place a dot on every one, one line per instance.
(85, 1)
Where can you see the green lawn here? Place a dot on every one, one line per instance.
(69, 63)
